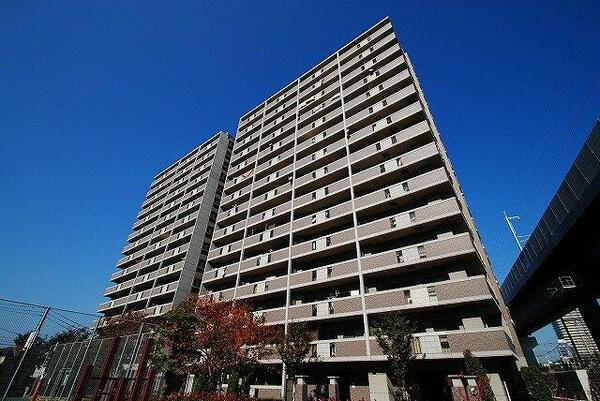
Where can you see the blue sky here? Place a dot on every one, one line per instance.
(96, 97)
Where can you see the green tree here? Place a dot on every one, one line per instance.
(394, 336)
(537, 386)
(175, 347)
(593, 371)
(473, 367)
(293, 347)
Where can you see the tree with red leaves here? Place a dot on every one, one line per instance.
(210, 339)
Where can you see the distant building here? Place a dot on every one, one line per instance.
(574, 336)
(166, 251)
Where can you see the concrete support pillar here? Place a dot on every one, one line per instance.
(590, 311)
(380, 387)
(300, 388)
(334, 387)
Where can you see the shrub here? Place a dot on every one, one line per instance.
(207, 396)
(537, 386)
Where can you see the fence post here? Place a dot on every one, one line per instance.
(82, 383)
(141, 369)
(36, 389)
(87, 348)
(106, 368)
(30, 343)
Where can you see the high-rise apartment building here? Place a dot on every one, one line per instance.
(341, 205)
(572, 330)
(166, 251)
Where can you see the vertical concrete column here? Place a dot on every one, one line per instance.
(334, 387)
(379, 389)
(300, 393)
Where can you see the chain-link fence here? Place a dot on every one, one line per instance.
(50, 353)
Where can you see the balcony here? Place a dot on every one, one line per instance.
(322, 155)
(271, 134)
(365, 68)
(429, 296)
(272, 316)
(272, 180)
(319, 139)
(276, 162)
(267, 236)
(316, 74)
(376, 75)
(389, 144)
(220, 273)
(419, 217)
(384, 106)
(323, 123)
(268, 286)
(318, 85)
(387, 168)
(271, 198)
(332, 272)
(419, 254)
(272, 149)
(337, 307)
(232, 215)
(378, 91)
(270, 259)
(340, 164)
(322, 196)
(226, 252)
(371, 38)
(338, 350)
(451, 344)
(327, 243)
(404, 190)
(271, 214)
(324, 218)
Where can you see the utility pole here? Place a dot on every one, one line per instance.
(30, 343)
(518, 238)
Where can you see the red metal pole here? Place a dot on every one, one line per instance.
(141, 369)
(36, 389)
(119, 391)
(106, 368)
(82, 384)
(147, 390)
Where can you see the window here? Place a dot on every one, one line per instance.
(432, 294)
(412, 216)
(444, 343)
(407, 297)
